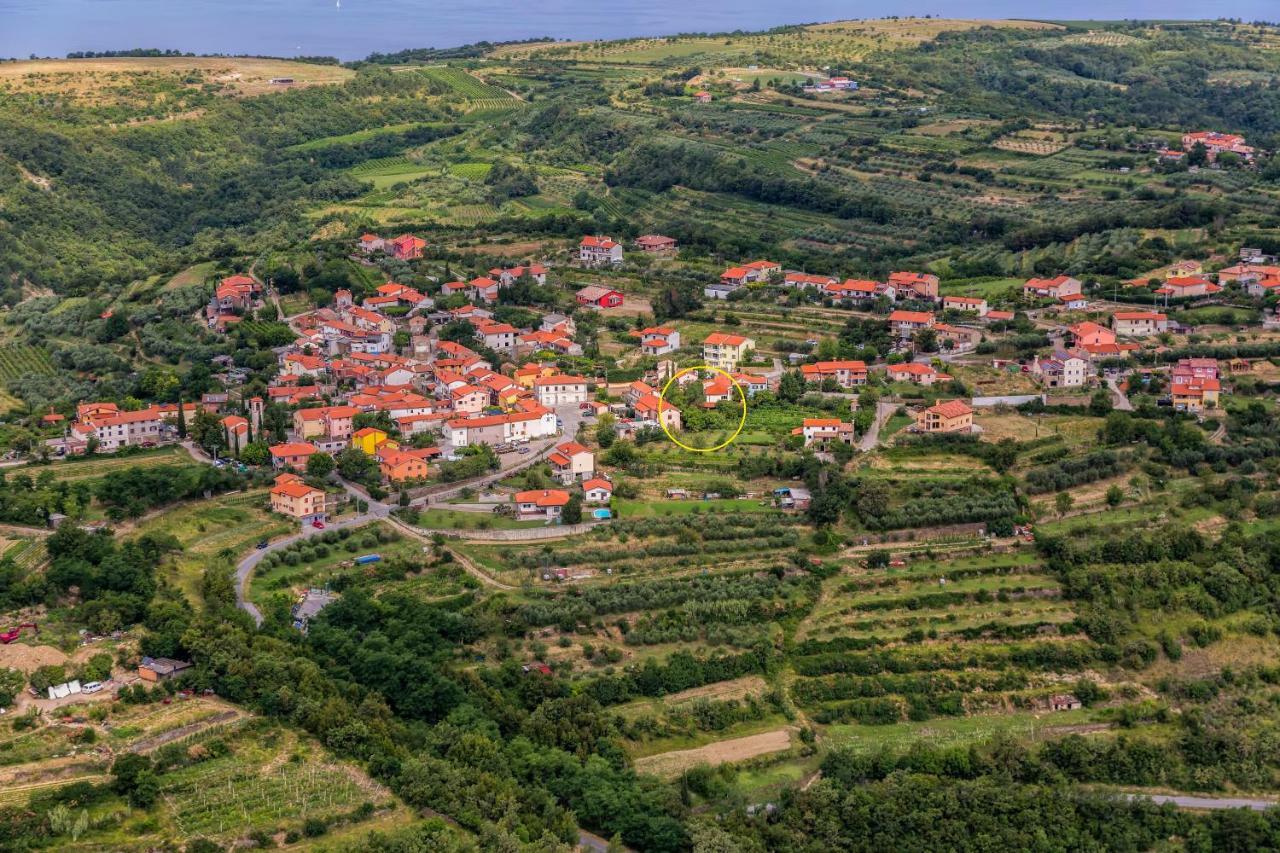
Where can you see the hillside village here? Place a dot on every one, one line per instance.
(750, 441)
(417, 387)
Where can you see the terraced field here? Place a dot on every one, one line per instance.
(18, 361)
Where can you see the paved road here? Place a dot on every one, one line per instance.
(1118, 399)
(1185, 801)
(246, 566)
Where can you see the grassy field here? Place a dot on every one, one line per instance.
(435, 518)
(214, 533)
(93, 467)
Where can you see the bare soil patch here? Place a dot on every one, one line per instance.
(669, 764)
(25, 658)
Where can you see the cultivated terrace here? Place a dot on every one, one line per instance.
(847, 436)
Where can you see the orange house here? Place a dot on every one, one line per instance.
(296, 499)
(292, 453)
(398, 466)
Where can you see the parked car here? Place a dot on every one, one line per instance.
(91, 687)
(318, 524)
(263, 544)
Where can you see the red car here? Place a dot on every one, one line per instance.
(318, 524)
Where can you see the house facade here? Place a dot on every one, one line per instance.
(950, 416)
(595, 251)
(1138, 324)
(726, 351)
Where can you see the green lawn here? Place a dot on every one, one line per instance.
(645, 509)
(982, 287)
(446, 519)
(949, 731)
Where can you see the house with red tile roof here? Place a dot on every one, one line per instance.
(595, 250)
(726, 351)
(659, 340)
(949, 416)
(113, 428)
(1090, 334)
(1185, 288)
(847, 373)
(823, 432)
(805, 281)
(906, 323)
(652, 408)
(291, 454)
(915, 285)
(599, 296)
(399, 465)
(541, 503)
(510, 275)
(970, 304)
(656, 244)
(1052, 288)
(406, 247)
(1194, 394)
(597, 490)
(853, 290)
(915, 372)
(571, 461)
(1216, 143)
(236, 292)
(294, 498)
(1138, 324)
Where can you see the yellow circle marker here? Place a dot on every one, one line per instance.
(662, 399)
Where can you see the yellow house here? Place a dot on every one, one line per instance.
(1184, 269)
(527, 373)
(725, 351)
(370, 439)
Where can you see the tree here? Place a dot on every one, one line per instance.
(572, 513)
(1115, 496)
(354, 464)
(255, 453)
(182, 420)
(1063, 502)
(207, 431)
(606, 433)
(791, 386)
(1100, 403)
(320, 465)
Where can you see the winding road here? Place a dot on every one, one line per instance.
(381, 511)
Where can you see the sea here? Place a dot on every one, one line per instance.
(353, 29)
